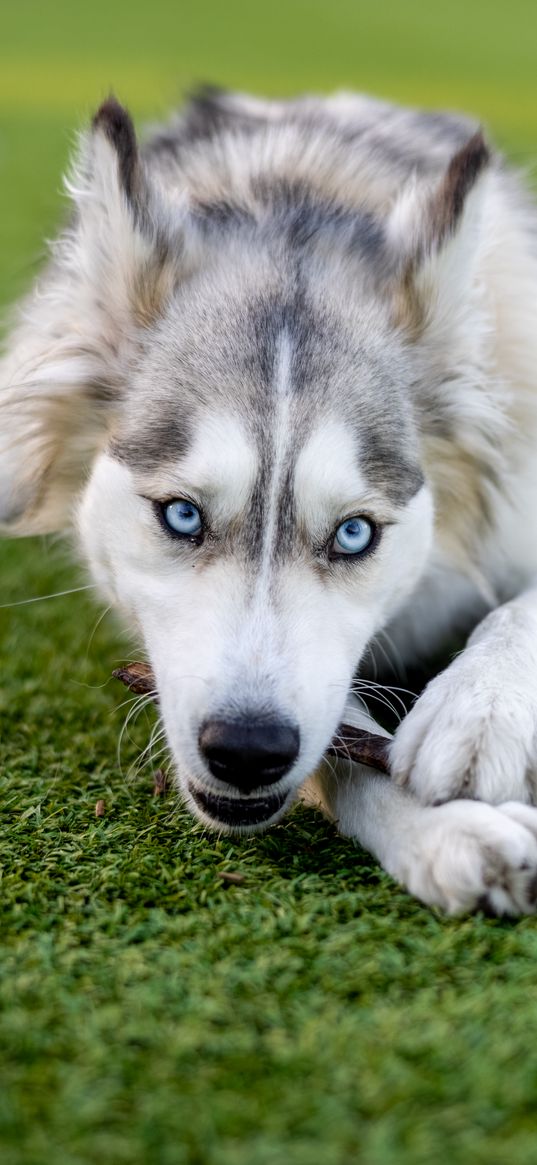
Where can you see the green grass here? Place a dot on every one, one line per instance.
(314, 1014)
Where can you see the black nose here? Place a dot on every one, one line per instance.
(249, 753)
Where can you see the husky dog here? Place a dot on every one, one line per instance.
(280, 375)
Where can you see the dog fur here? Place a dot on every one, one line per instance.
(293, 313)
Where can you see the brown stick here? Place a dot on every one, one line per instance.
(349, 743)
(364, 748)
(138, 678)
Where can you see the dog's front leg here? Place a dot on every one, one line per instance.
(461, 856)
(473, 732)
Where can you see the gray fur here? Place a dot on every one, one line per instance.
(331, 214)
(252, 219)
(234, 365)
(294, 313)
(395, 139)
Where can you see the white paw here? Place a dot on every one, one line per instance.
(468, 856)
(473, 733)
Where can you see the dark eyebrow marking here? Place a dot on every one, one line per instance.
(387, 467)
(165, 437)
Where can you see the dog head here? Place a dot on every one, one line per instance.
(226, 399)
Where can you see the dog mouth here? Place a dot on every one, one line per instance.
(236, 811)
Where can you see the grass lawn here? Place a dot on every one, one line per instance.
(150, 1012)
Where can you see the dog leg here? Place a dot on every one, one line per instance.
(459, 856)
(473, 732)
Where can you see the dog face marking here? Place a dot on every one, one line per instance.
(279, 411)
(254, 313)
(258, 623)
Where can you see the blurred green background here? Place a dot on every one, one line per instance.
(314, 1014)
(59, 58)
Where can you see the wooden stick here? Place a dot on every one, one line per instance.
(349, 743)
(138, 678)
(362, 747)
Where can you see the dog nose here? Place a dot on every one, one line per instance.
(248, 753)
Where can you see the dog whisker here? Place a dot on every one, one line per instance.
(384, 687)
(149, 757)
(140, 703)
(379, 692)
(396, 663)
(370, 650)
(382, 695)
(45, 598)
(146, 698)
(100, 619)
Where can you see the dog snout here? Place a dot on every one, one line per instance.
(249, 754)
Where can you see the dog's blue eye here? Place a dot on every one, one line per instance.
(183, 518)
(353, 536)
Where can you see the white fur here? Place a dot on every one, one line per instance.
(102, 338)
(454, 856)
(474, 730)
(214, 648)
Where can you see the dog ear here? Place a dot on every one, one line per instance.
(131, 242)
(432, 235)
(69, 350)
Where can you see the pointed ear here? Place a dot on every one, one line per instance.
(118, 168)
(432, 234)
(70, 350)
(129, 244)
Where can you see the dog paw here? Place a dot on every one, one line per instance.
(470, 856)
(469, 736)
